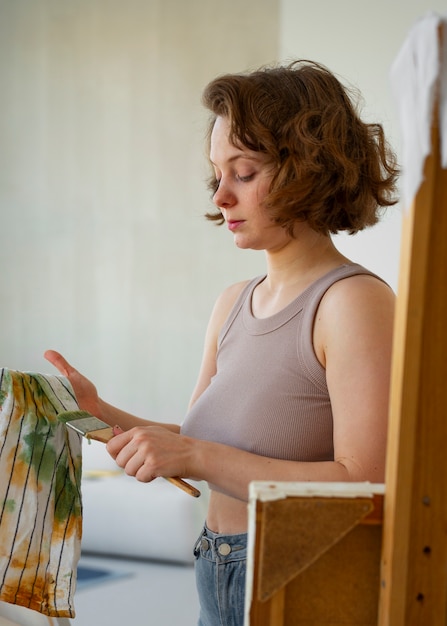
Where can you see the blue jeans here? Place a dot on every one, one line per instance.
(220, 577)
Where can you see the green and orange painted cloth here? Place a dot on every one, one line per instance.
(40, 493)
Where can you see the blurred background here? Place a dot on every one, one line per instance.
(105, 255)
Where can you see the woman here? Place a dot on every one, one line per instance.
(294, 380)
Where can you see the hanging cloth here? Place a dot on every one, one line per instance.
(419, 77)
(40, 493)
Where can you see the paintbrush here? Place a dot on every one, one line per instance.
(91, 427)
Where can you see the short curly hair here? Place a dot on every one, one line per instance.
(331, 169)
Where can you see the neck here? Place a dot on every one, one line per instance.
(302, 259)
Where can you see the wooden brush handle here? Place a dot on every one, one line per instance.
(182, 484)
(105, 434)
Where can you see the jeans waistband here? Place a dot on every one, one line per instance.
(221, 547)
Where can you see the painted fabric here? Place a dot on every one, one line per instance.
(40, 493)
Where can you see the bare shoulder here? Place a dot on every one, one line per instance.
(358, 292)
(231, 293)
(226, 301)
(355, 311)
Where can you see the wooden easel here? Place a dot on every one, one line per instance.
(392, 573)
(414, 557)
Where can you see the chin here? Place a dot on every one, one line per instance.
(246, 244)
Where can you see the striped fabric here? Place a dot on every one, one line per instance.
(40, 498)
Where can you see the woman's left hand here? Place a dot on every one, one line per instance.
(148, 452)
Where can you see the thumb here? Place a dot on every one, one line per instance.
(117, 430)
(59, 362)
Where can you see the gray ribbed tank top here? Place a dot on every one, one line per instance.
(269, 395)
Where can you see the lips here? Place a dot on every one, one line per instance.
(234, 224)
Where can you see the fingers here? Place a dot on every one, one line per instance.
(118, 442)
(126, 454)
(59, 362)
(131, 454)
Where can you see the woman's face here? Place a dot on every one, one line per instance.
(243, 180)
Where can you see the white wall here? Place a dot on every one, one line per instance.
(359, 41)
(104, 253)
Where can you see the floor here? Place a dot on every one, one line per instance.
(150, 594)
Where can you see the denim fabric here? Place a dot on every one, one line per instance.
(220, 567)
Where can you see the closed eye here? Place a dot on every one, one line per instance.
(214, 182)
(245, 179)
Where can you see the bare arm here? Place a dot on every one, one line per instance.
(117, 417)
(353, 337)
(88, 399)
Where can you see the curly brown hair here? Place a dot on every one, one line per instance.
(330, 168)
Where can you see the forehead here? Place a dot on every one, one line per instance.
(221, 148)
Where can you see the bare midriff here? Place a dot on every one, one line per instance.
(226, 515)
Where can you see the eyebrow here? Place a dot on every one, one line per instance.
(240, 156)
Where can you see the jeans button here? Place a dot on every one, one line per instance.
(204, 544)
(224, 549)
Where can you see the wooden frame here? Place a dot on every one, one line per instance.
(314, 555)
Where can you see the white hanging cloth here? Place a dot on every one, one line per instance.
(40, 496)
(418, 76)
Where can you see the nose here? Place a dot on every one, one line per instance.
(223, 197)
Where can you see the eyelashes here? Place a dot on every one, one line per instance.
(245, 179)
(213, 182)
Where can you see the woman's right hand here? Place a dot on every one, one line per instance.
(85, 391)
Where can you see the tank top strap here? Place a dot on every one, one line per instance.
(242, 297)
(315, 294)
(317, 290)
